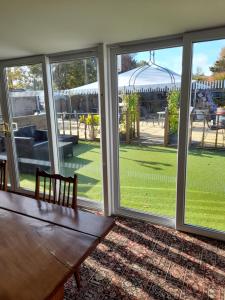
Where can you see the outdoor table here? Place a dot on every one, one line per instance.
(42, 244)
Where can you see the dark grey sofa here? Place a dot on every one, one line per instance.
(31, 144)
(27, 147)
(31, 132)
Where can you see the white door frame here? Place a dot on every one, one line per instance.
(114, 50)
(189, 39)
(97, 51)
(9, 140)
(7, 116)
(186, 41)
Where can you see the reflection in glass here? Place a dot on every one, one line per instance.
(26, 97)
(205, 192)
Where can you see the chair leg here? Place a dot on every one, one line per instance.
(77, 278)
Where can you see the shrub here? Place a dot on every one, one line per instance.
(92, 120)
(173, 106)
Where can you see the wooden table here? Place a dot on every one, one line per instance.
(42, 245)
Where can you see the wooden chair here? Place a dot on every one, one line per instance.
(3, 175)
(57, 189)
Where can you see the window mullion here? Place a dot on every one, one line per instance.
(50, 116)
(10, 143)
(183, 131)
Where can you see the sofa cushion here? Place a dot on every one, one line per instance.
(26, 131)
(68, 138)
(40, 135)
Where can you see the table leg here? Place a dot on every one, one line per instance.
(217, 124)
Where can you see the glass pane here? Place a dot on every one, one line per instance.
(75, 90)
(149, 92)
(27, 102)
(205, 205)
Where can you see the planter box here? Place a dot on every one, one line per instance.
(123, 136)
(173, 139)
(92, 134)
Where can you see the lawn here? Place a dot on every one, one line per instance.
(148, 180)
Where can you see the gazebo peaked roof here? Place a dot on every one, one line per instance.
(142, 79)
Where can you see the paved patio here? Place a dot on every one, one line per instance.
(152, 132)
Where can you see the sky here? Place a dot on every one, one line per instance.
(204, 56)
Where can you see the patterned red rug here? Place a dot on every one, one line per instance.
(138, 260)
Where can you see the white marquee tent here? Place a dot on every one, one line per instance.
(139, 79)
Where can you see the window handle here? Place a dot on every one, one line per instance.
(5, 129)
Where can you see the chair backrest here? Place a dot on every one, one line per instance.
(3, 175)
(56, 188)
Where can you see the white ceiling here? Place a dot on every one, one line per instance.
(29, 27)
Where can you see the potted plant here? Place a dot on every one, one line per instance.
(173, 107)
(92, 122)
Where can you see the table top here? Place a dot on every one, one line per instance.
(42, 244)
(161, 112)
(37, 257)
(78, 220)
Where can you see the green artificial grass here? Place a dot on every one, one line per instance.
(148, 180)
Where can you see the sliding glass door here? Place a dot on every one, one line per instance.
(52, 113)
(205, 189)
(148, 120)
(77, 115)
(26, 105)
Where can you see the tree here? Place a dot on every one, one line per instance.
(142, 63)
(34, 78)
(128, 62)
(74, 74)
(199, 75)
(65, 75)
(16, 77)
(219, 65)
(25, 77)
